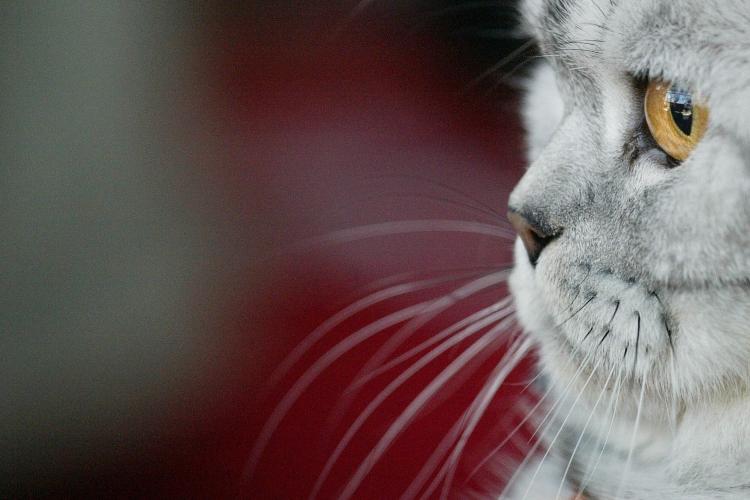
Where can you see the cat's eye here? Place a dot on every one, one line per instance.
(676, 122)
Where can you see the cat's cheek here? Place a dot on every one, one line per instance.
(712, 345)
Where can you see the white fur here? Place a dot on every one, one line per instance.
(660, 251)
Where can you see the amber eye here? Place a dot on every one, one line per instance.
(676, 122)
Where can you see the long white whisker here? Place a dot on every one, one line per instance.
(488, 209)
(615, 399)
(498, 65)
(518, 427)
(439, 305)
(405, 227)
(518, 470)
(487, 215)
(583, 432)
(411, 411)
(559, 431)
(510, 435)
(394, 385)
(343, 315)
(434, 459)
(440, 451)
(675, 399)
(438, 274)
(429, 343)
(556, 405)
(504, 368)
(553, 412)
(283, 407)
(432, 463)
(633, 437)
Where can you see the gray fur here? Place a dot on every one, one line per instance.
(649, 283)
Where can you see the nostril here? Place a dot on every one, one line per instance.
(532, 235)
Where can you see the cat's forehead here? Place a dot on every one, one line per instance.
(703, 44)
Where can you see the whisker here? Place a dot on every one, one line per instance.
(587, 334)
(441, 450)
(525, 383)
(503, 369)
(512, 433)
(593, 296)
(669, 335)
(664, 320)
(562, 426)
(579, 288)
(583, 432)
(346, 313)
(367, 372)
(520, 468)
(457, 203)
(506, 76)
(562, 397)
(358, 382)
(606, 334)
(500, 64)
(392, 228)
(614, 400)
(633, 438)
(410, 412)
(375, 403)
(373, 367)
(445, 275)
(617, 308)
(591, 42)
(434, 459)
(491, 33)
(454, 435)
(451, 189)
(357, 11)
(637, 340)
(553, 412)
(441, 304)
(673, 384)
(341, 348)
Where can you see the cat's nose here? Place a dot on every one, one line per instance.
(532, 234)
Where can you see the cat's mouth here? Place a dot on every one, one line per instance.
(593, 313)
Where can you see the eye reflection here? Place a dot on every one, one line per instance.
(676, 122)
(681, 106)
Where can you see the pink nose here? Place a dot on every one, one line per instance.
(534, 238)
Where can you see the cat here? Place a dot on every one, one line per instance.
(632, 269)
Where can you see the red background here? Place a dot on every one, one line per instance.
(321, 130)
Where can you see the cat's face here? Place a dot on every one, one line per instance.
(648, 273)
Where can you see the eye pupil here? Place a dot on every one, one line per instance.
(676, 121)
(681, 109)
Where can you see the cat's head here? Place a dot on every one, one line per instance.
(637, 257)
